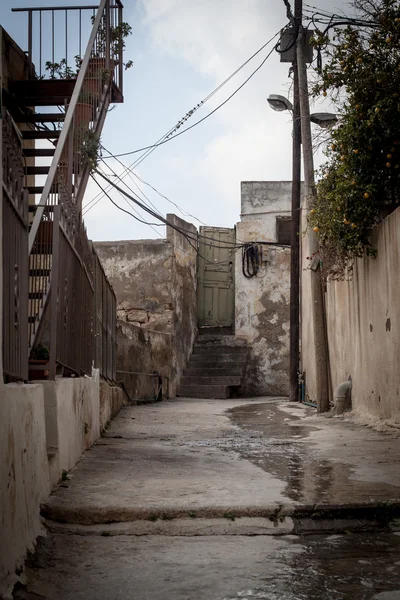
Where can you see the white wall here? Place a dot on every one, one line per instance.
(363, 318)
(24, 473)
(262, 302)
(72, 421)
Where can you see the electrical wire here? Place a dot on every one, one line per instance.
(164, 139)
(206, 116)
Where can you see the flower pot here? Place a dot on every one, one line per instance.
(38, 369)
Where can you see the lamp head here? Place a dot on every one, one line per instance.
(324, 120)
(279, 103)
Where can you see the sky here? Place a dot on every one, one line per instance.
(182, 50)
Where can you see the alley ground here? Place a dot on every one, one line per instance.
(217, 500)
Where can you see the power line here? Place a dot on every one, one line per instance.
(205, 117)
(149, 149)
(183, 212)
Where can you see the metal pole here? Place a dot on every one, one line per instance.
(295, 230)
(317, 299)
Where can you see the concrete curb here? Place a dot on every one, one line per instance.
(275, 518)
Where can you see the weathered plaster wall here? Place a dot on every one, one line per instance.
(72, 421)
(140, 272)
(24, 474)
(267, 200)
(363, 318)
(143, 351)
(262, 302)
(184, 294)
(155, 285)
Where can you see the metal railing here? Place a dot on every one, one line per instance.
(78, 145)
(82, 309)
(105, 323)
(15, 254)
(58, 34)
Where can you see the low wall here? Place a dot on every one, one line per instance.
(24, 473)
(262, 315)
(143, 351)
(72, 421)
(112, 399)
(363, 318)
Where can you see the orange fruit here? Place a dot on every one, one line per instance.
(356, 151)
(345, 221)
(342, 158)
(312, 212)
(366, 195)
(388, 165)
(389, 155)
(377, 109)
(354, 225)
(315, 229)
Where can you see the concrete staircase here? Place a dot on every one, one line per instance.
(216, 368)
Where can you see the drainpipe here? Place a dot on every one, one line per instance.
(343, 396)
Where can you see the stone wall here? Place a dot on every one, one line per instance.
(363, 317)
(155, 282)
(262, 302)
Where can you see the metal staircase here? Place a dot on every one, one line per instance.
(60, 144)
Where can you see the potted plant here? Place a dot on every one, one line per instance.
(38, 362)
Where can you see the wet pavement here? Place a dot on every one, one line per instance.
(217, 457)
(210, 500)
(335, 567)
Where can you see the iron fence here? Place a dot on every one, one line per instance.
(82, 311)
(15, 254)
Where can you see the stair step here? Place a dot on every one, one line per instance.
(38, 189)
(37, 170)
(33, 207)
(38, 152)
(35, 295)
(41, 118)
(191, 380)
(205, 391)
(217, 359)
(215, 350)
(43, 92)
(39, 272)
(36, 134)
(194, 371)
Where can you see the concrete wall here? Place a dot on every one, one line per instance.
(140, 272)
(112, 399)
(363, 318)
(24, 473)
(155, 282)
(72, 421)
(184, 295)
(262, 302)
(143, 351)
(44, 429)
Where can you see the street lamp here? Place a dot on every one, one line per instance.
(280, 103)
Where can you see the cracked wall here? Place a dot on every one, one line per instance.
(262, 302)
(155, 285)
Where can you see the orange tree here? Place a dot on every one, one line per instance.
(360, 181)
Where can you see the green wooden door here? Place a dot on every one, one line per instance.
(216, 277)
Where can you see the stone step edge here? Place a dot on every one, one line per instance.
(381, 513)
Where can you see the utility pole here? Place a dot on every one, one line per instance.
(294, 352)
(316, 300)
